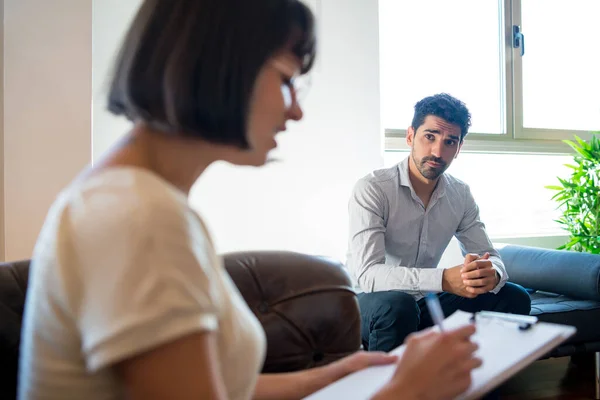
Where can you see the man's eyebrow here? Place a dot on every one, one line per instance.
(437, 132)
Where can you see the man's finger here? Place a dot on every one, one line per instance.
(478, 290)
(478, 273)
(475, 282)
(477, 264)
(468, 267)
(470, 258)
(479, 283)
(483, 263)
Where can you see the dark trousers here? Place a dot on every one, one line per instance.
(387, 318)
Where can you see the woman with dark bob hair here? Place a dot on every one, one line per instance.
(127, 297)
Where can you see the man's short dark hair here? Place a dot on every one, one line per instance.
(188, 67)
(446, 107)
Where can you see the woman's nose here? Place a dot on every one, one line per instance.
(295, 112)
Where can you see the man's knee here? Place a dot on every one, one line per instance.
(390, 310)
(516, 300)
(402, 306)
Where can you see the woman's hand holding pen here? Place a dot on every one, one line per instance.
(434, 365)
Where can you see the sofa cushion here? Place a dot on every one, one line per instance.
(572, 274)
(560, 309)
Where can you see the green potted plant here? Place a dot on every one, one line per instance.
(579, 197)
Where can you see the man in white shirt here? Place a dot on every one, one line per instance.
(401, 220)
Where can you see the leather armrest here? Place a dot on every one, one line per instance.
(13, 287)
(305, 304)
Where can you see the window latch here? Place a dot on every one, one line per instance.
(518, 39)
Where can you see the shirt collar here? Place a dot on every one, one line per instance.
(404, 179)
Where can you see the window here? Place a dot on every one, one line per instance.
(561, 66)
(513, 203)
(436, 61)
(524, 96)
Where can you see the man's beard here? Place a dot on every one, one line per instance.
(429, 172)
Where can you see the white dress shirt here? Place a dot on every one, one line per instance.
(395, 243)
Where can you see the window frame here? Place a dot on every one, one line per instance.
(517, 139)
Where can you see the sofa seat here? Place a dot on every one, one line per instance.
(560, 309)
(566, 290)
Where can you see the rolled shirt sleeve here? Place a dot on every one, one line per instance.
(366, 259)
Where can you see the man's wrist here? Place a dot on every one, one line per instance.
(445, 285)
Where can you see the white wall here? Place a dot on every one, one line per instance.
(300, 203)
(47, 116)
(45, 137)
(109, 24)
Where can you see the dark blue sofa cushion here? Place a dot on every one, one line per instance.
(569, 273)
(560, 309)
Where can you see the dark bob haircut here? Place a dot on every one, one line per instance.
(188, 67)
(446, 107)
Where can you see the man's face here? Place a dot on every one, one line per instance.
(435, 144)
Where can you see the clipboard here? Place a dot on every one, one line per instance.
(506, 346)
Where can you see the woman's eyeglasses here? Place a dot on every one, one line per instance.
(295, 88)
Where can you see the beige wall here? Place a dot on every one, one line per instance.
(47, 110)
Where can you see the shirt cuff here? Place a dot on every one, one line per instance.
(430, 279)
(501, 282)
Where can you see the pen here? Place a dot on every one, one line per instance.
(435, 310)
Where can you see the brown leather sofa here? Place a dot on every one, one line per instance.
(305, 303)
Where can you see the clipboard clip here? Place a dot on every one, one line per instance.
(524, 322)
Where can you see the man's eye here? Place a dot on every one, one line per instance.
(450, 142)
(429, 136)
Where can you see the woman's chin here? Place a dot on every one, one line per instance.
(250, 159)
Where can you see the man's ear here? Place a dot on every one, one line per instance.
(459, 148)
(410, 136)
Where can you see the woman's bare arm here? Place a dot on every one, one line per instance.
(187, 368)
